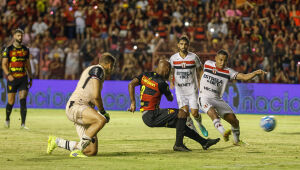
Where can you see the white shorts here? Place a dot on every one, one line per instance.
(219, 104)
(187, 100)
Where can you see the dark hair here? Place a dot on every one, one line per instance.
(107, 58)
(223, 52)
(184, 38)
(18, 30)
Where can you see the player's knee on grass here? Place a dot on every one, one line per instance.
(92, 148)
(182, 114)
(212, 113)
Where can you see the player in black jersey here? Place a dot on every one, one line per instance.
(16, 67)
(153, 86)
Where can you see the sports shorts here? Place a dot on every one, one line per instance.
(160, 117)
(219, 104)
(187, 100)
(17, 84)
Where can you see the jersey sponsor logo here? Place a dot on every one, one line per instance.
(19, 69)
(212, 80)
(210, 89)
(148, 81)
(183, 75)
(183, 84)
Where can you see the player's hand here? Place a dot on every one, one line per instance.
(132, 108)
(171, 85)
(30, 83)
(10, 78)
(260, 72)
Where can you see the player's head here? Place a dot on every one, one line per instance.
(107, 60)
(164, 68)
(18, 35)
(183, 44)
(221, 59)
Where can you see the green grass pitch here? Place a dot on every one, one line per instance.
(126, 143)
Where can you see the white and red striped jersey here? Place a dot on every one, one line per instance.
(214, 80)
(185, 78)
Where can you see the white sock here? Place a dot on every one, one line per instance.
(62, 143)
(236, 134)
(219, 126)
(199, 119)
(190, 124)
(84, 142)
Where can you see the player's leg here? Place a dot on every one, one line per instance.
(183, 103)
(23, 107)
(198, 118)
(235, 126)
(11, 95)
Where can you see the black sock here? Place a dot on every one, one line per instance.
(194, 135)
(8, 111)
(180, 126)
(23, 109)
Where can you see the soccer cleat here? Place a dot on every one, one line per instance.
(182, 148)
(23, 127)
(51, 144)
(240, 143)
(226, 135)
(210, 142)
(7, 124)
(78, 154)
(203, 130)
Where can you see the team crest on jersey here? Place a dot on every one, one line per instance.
(214, 71)
(171, 111)
(9, 87)
(205, 106)
(183, 65)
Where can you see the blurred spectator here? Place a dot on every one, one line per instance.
(34, 66)
(80, 23)
(39, 27)
(72, 62)
(57, 52)
(45, 68)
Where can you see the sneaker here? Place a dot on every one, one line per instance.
(190, 124)
(77, 153)
(24, 127)
(7, 124)
(226, 135)
(51, 144)
(240, 143)
(210, 142)
(182, 148)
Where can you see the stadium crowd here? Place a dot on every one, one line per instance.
(66, 36)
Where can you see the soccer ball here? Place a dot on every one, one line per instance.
(268, 123)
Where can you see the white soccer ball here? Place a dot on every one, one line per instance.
(268, 123)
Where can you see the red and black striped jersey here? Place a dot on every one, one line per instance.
(153, 86)
(17, 60)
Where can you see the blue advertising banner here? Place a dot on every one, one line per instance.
(242, 97)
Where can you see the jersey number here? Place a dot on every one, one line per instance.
(142, 91)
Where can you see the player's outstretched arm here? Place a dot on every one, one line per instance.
(131, 89)
(249, 76)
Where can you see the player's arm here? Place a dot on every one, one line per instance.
(5, 63)
(29, 72)
(199, 73)
(171, 78)
(249, 76)
(131, 88)
(97, 77)
(164, 88)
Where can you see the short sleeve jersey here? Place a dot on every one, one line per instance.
(83, 94)
(214, 80)
(16, 60)
(152, 88)
(185, 77)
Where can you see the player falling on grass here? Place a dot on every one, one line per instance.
(185, 75)
(212, 85)
(153, 86)
(80, 110)
(16, 67)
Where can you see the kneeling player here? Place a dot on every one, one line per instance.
(80, 110)
(153, 85)
(212, 86)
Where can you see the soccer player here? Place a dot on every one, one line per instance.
(16, 67)
(185, 75)
(153, 86)
(80, 110)
(212, 86)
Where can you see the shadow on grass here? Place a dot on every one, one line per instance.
(145, 153)
(291, 133)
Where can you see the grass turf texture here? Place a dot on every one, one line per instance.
(126, 143)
